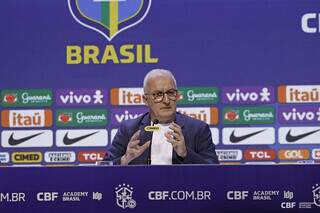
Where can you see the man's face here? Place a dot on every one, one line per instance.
(164, 110)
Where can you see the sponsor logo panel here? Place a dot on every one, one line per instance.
(259, 154)
(127, 96)
(208, 115)
(26, 98)
(198, 95)
(81, 117)
(81, 137)
(299, 135)
(59, 157)
(26, 157)
(248, 95)
(248, 136)
(26, 118)
(122, 114)
(4, 157)
(298, 114)
(229, 154)
(248, 115)
(316, 154)
(299, 94)
(91, 156)
(81, 97)
(294, 154)
(26, 138)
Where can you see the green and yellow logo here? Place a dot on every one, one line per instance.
(198, 95)
(248, 115)
(26, 98)
(81, 117)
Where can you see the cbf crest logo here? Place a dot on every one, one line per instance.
(109, 17)
(316, 195)
(124, 196)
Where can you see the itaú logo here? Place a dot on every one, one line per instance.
(310, 22)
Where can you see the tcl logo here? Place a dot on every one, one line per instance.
(294, 154)
(91, 156)
(254, 154)
(310, 22)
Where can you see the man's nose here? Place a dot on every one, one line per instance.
(166, 100)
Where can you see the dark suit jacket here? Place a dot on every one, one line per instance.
(197, 136)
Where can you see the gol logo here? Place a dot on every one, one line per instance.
(109, 17)
(257, 155)
(91, 156)
(293, 154)
(26, 157)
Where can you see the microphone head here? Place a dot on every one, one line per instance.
(155, 121)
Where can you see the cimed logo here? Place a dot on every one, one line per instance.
(109, 17)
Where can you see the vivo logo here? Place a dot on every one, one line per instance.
(310, 23)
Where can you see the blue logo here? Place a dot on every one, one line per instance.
(109, 17)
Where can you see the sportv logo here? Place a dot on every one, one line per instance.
(299, 94)
(26, 118)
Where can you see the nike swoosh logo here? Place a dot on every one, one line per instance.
(237, 139)
(290, 138)
(70, 141)
(14, 142)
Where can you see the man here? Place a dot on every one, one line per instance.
(177, 139)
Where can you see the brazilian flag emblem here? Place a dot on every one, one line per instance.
(109, 17)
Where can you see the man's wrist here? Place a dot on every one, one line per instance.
(124, 160)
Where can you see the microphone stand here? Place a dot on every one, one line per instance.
(149, 154)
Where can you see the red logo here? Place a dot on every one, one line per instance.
(259, 155)
(91, 156)
(64, 117)
(10, 98)
(231, 116)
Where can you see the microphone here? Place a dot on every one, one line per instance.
(155, 121)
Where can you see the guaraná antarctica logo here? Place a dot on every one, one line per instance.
(109, 17)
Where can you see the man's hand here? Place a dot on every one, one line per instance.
(176, 138)
(133, 149)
